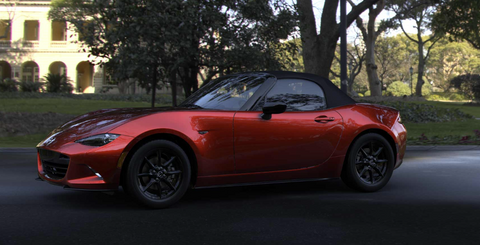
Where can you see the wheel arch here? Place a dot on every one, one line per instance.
(378, 131)
(162, 136)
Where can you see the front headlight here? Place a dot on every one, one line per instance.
(98, 140)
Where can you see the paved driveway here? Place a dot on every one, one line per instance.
(434, 198)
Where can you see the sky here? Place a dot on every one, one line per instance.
(407, 24)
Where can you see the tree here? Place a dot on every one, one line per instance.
(421, 13)
(450, 59)
(321, 46)
(370, 34)
(459, 18)
(356, 57)
(469, 84)
(10, 7)
(394, 56)
(160, 40)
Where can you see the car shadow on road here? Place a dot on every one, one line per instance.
(121, 200)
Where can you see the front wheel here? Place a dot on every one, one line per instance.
(158, 174)
(369, 164)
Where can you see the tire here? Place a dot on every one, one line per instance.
(158, 184)
(365, 169)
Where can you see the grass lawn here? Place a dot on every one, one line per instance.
(59, 105)
(451, 130)
(442, 129)
(472, 110)
(64, 105)
(22, 141)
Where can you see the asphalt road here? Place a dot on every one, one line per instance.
(434, 198)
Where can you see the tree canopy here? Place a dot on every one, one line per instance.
(459, 18)
(160, 40)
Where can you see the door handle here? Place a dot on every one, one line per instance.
(324, 119)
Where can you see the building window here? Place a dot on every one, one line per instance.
(59, 31)
(5, 30)
(31, 30)
(30, 72)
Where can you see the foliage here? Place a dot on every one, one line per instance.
(160, 40)
(289, 54)
(8, 85)
(398, 88)
(31, 86)
(468, 84)
(460, 18)
(421, 12)
(321, 42)
(445, 96)
(450, 59)
(423, 113)
(57, 83)
(395, 55)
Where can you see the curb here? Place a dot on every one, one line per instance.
(443, 147)
(409, 148)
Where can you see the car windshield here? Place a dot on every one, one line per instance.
(226, 93)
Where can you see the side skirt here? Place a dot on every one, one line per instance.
(264, 183)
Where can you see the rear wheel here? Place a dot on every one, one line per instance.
(369, 164)
(158, 174)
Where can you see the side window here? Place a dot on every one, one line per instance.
(297, 94)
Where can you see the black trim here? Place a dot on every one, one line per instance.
(259, 94)
(333, 95)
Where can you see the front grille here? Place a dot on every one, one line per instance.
(54, 164)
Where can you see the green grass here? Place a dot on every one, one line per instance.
(472, 110)
(442, 129)
(59, 105)
(22, 141)
(64, 105)
(80, 106)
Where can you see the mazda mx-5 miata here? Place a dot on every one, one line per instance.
(239, 129)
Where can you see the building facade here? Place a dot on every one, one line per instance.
(31, 46)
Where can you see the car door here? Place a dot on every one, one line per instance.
(305, 135)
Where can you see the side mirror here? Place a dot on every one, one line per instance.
(272, 108)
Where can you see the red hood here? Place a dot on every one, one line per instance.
(96, 122)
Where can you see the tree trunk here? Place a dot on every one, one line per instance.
(421, 66)
(373, 80)
(154, 83)
(370, 37)
(173, 84)
(319, 50)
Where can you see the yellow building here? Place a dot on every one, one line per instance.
(33, 46)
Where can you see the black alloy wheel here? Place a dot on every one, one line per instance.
(158, 174)
(369, 164)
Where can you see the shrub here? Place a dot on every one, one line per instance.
(398, 88)
(422, 113)
(368, 93)
(468, 84)
(427, 89)
(57, 83)
(31, 86)
(8, 85)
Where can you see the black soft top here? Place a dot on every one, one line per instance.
(334, 96)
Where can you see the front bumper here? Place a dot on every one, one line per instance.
(78, 166)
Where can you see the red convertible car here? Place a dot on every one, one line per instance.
(248, 128)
